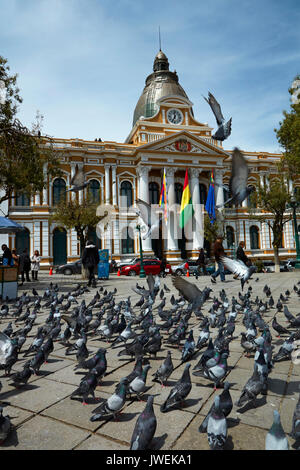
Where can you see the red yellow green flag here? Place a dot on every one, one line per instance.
(186, 210)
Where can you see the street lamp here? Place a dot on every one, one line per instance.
(294, 204)
(142, 271)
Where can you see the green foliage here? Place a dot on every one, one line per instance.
(288, 135)
(82, 217)
(211, 231)
(22, 152)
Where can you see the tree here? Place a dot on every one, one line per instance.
(80, 216)
(288, 134)
(23, 152)
(274, 199)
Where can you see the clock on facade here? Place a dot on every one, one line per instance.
(174, 116)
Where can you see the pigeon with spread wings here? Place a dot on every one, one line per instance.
(239, 269)
(224, 128)
(78, 180)
(238, 181)
(149, 217)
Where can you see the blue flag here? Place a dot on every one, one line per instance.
(210, 206)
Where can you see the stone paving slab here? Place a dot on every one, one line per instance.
(46, 418)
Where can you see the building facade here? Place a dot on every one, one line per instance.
(164, 135)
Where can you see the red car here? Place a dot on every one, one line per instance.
(150, 266)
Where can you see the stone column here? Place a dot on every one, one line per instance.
(45, 190)
(219, 193)
(143, 194)
(73, 169)
(114, 184)
(172, 216)
(107, 184)
(198, 223)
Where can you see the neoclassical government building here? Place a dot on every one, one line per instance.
(164, 135)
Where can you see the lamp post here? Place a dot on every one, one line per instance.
(294, 204)
(142, 271)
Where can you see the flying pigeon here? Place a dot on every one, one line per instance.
(145, 428)
(239, 269)
(224, 128)
(238, 181)
(276, 438)
(78, 180)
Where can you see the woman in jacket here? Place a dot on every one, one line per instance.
(35, 265)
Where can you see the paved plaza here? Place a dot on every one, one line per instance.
(44, 416)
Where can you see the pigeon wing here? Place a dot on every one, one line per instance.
(6, 347)
(216, 108)
(239, 175)
(236, 267)
(144, 211)
(188, 291)
(78, 178)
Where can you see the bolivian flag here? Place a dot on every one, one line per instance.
(186, 210)
(163, 197)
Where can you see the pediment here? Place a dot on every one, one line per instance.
(184, 143)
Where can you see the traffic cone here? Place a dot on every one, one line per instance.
(51, 272)
(119, 272)
(187, 273)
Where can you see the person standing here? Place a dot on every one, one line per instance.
(7, 259)
(35, 265)
(25, 263)
(90, 260)
(163, 266)
(201, 262)
(218, 253)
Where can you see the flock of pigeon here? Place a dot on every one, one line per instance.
(139, 332)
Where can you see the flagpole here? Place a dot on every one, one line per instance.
(142, 270)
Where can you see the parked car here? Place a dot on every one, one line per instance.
(75, 268)
(134, 261)
(180, 270)
(269, 266)
(69, 268)
(150, 266)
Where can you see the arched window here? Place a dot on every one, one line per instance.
(252, 198)
(22, 200)
(59, 191)
(94, 191)
(126, 192)
(203, 193)
(153, 193)
(178, 192)
(254, 237)
(23, 241)
(127, 241)
(229, 236)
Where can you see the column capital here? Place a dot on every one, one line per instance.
(170, 171)
(195, 172)
(143, 170)
(219, 172)
(107, 165)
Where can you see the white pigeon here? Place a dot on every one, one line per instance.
(6, 347)
(238, 268)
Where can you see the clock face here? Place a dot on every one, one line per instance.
(174, 116)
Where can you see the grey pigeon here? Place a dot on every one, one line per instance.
(224, 128)
(216, 427)
(138, 384)
(179, 392)
(276, 438)
(296, 421)
(285, 350)
(22, 377)
(114, 404)
(226, 406)
(87, 386)
(239, 269)
(5, 426)
(78, 180)
(145, 427)
(252, 389)
(165, 370)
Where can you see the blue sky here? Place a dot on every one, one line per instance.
(83, 63)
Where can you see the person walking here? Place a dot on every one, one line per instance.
(218, 253)
(201, 262)
(7, 259)
(24, 263)
(90, 260)
(240, 254)
(35, 265)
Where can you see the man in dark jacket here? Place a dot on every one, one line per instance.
(90, 260)
(7, 256)
(218, 252)
(24, 265)
(240, 254)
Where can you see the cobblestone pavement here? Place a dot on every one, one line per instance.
(44, 416)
